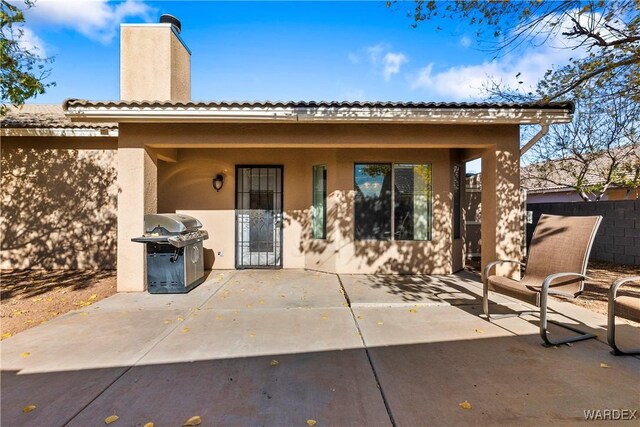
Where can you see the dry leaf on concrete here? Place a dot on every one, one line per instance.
(604, 365)
(274, 362)
(311, 423)
(479, 331)
(28, 409)
(465, 405)
(413, 310)
(25, 354)
(193, 421)
(111, 419)
(149, 425)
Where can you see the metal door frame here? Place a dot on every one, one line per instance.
(238, 265)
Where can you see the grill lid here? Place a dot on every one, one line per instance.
(172, 223)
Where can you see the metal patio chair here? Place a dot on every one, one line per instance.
(627, 307)
(556, 265)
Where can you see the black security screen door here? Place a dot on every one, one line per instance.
(259, 217)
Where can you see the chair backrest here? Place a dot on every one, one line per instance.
(562, 244)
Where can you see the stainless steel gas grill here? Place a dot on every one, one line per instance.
(174, 252)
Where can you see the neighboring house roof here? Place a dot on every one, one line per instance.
(434, 112)
(560, 179)
(49, 120)
(45, 116)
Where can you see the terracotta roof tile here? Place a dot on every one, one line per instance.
(75, 103)
(45, 116)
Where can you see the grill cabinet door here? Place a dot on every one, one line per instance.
(193, 263)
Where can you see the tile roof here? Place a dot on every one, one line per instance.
(79, 103)
(45, 116)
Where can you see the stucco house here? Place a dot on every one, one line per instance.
(348, 187)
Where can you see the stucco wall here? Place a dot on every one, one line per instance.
(186, 186)
(58, 205)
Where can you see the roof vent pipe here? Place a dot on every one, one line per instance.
(170, 19)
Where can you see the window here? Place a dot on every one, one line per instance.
(373, 201)
(319, 210)
(412, 202)
(457, 201)
(397, 196)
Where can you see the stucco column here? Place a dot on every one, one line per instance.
(501, 229)
(138, 195)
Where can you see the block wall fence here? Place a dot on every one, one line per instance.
(618, 239)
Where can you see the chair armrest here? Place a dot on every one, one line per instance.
(487, 269)
(547, 280)
(614, 288)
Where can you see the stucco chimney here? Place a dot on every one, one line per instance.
(155, 64)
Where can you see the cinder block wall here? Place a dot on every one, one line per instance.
(618, 239)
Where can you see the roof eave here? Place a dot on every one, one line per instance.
(321, 115)
(60, 132)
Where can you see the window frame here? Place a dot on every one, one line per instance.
(393, 164)
(456, 229)
(313, 201)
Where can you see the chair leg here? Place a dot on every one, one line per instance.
(611, 336)
(544, 332)
(485, 298)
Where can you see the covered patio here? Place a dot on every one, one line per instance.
(286, 347)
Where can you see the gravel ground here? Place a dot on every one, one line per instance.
(31, 297)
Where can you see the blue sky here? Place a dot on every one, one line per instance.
(281, 51)
(278, 51)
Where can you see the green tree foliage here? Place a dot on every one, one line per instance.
(608, 30)
(23, 72)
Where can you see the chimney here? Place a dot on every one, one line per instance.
(155, 64)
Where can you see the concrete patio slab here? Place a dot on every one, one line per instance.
(507, 379)
(279, 289)
(415, 290)
(332, 388)
(61, 366)
(165, 358)
(143, 300)
(220, 334)
(400, 326)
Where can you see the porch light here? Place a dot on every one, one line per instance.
(218, 181)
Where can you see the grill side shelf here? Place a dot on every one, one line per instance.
(151, 239)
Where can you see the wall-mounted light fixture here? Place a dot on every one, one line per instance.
(218, 181)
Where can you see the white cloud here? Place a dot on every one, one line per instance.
(31, 42)
(96, 19)
(375, 52)
(392, 63)
(382, 59)
(466, 81)
(465, 42)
